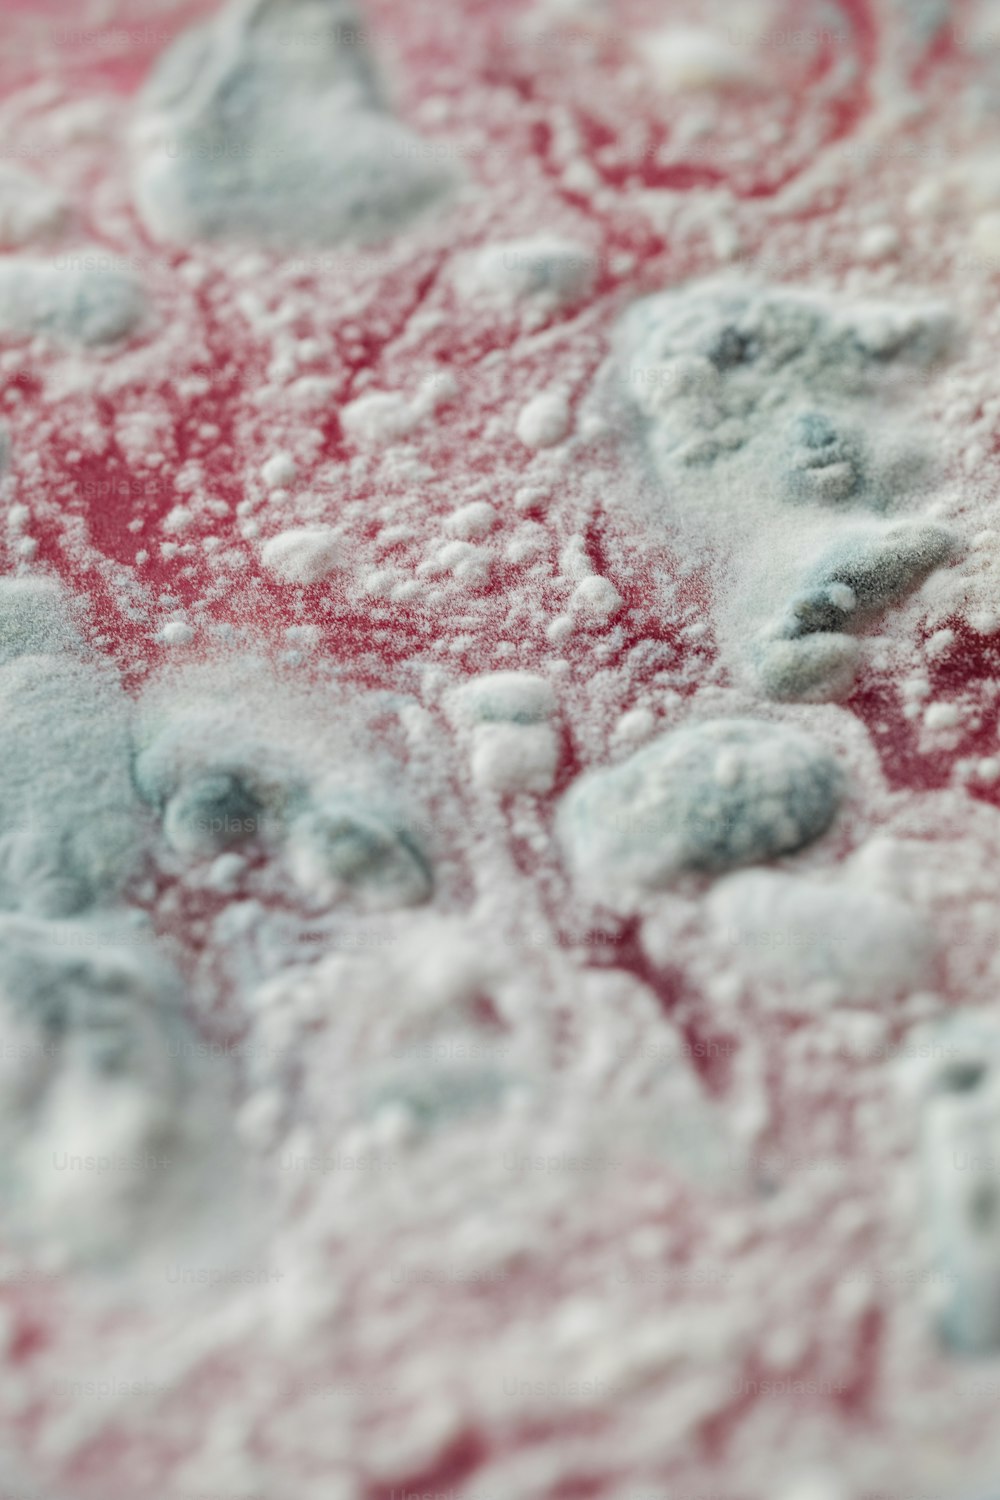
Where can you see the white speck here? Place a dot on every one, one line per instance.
(378, 419)
(635, 726)
(545, 271)
(514, 697)
(473, 521)
(685, 58)
(573, 560)
(528, 543)
(515, 757)
(942, 715)
(438, 390)
(940, 643)
(986, 237)
(279, 470)
(177, 633)
(304, 554)
(259, 1116)
(226, 871)
(878, 243)
(29, 208)
(596, 600)
(545, 420)
(178, 519)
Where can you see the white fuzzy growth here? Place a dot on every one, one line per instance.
(707, 798)
(108, 1137)
(778, 422)
(278, 470)
(545, 271)
(35, 619)
(302, 555)
(378, 419)
(29, 208)
(344, 850)
(961, 1161)
(515, 757)
(688, 58)
(595, 601)
(513, 697)
(545, 420)
(319, 160)
(71, 302)
(473, 521)
(68, 812)
(177, 633)
(810, 944)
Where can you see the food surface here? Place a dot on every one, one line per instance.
(500, 796)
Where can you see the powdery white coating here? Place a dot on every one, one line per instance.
(215, 759)
(515, 757)
(341, 850)
(70, 302)
(942, 715)
(241, 135)
(545, 271)
(505, 697)
(378, 418)
(705, 799)
(491, 1103)
(595, 600)
(807, 944)
(35, 619)
(29, 208)
(105, 1132)
(865, 571)
(960, 1137)
(224, 756)
(727, 369)
(804, 653)
(809, 669)
(302, 554)
(513, 746)
(632, 1299)
(772, 417)
(690, 58)
(278, 470)
(473, 521)
(427, 1097)
(545, 420)
(211, 813)
(177, 633)
(234, 758)
(68, 811)
(879, 242)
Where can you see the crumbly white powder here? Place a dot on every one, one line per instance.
(480, 1151)
(303, 554)
(29, 209)
(68, 300)
(544, 421)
